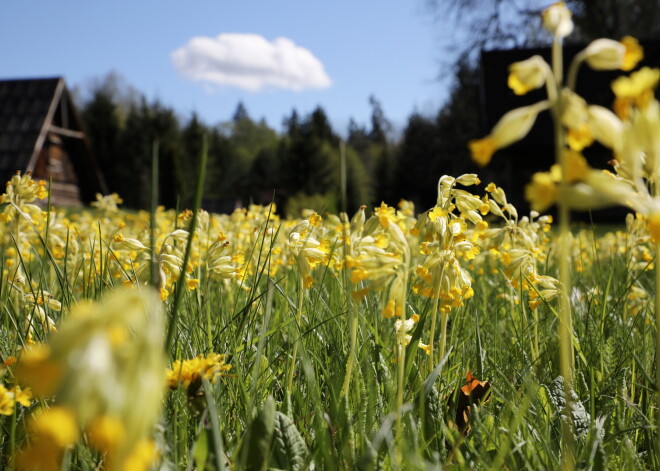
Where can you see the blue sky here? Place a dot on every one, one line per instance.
(334, 54)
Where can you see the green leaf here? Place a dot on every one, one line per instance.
(430, 403)
(413, 346)
(201, 450)
(256, 443)
(289, 450)
(579, 415)
(433, 429)
(594, 452)
(218, 448)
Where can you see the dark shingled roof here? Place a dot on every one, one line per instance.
(24, 106)
(30, 110)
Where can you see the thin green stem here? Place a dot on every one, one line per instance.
(401, 364)
(152, 215)
(12, 437)
(292, 367)
(565, 325)
(351, 354)
(178, 294)
(434, 317)
(444, 315)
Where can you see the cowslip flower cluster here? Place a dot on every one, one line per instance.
(447, 241)
(581, 124)
(100, 375)
(20, 192)
(521, 245)
(308, 252)
(381, 256)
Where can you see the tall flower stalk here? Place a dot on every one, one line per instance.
(571, 182)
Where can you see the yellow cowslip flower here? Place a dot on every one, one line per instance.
(141, 457)
(511, 127)
(482, 150)
(425, 347)
(607, 54)
(51, 431)
(633, 55)
(577, 168)
(604, 54)
(528, 75)
(653, 225)
(437, 213)
(96, 372)
(22, 396)
(308, 281)
(385, 214)
(105, 433)
(36, 368)
(192, 284)
(636, 89)
(557, 19)
(56, 423)
(107, 203)
(358, 275)
(542, 191)
(579, 137)
(185, 215)
(7, 401)
(315, 220)
(605, 126)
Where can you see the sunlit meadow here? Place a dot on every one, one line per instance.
(462, 336)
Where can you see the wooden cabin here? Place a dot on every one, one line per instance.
(41, 133)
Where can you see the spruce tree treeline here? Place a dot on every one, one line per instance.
(248, 162)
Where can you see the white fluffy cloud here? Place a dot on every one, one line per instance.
(251, 62)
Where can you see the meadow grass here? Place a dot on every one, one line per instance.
(251, 418)
(466, 336)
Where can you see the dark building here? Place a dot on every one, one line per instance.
(513, 166)
(40, 133)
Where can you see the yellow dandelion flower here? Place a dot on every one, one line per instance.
(187, 372)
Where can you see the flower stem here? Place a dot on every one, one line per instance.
(444, 315)
(292, 367)
(434, 316)
(401, 363)
(351, 354)
(565, 322)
